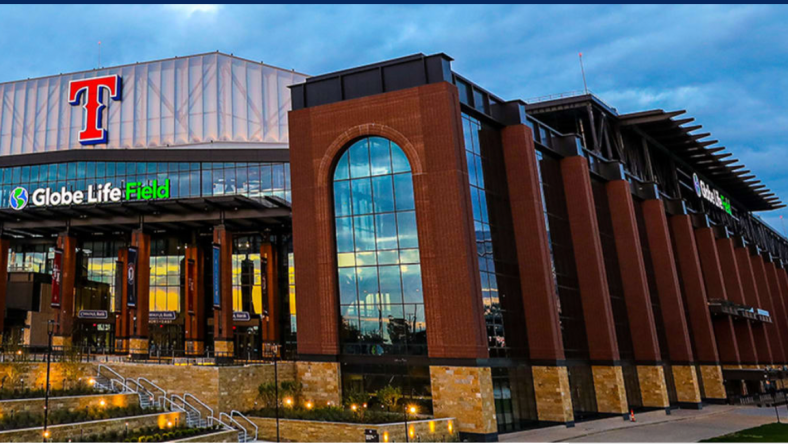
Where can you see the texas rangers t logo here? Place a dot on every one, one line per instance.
(93, 129)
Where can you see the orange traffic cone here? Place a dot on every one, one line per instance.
(632, 416)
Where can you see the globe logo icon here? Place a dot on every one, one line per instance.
(697, 185)
(18, 198)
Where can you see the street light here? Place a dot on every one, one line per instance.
(276, 389)
(50, 331)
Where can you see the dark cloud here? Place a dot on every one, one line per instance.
(724, 64)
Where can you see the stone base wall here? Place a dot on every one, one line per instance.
(223, 347)
(653, 388)
(291, 430)
(713, 384)
(33, 375)
(611, 393)
(66, 432)
(69, 403)
(464, 393)
(686, 381)
(138, 346)
(552, 393)
(61, 341)
(321, 382)
(195, 348)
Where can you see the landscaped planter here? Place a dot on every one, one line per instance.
(71, 403)
(297, 430)
(64, 432)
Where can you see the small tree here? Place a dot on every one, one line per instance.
(267, 393)
(389, 397)
(357, 397)
(291, 389)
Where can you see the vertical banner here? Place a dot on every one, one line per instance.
(57, 277)
(191, 297)
(131, 277)
(217, 278)
(118, 287)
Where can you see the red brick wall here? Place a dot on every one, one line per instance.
(425, 122)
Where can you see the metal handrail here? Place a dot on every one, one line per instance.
(173, 406)
(100, 366)
(225, 425)
(125, 388)
(189, 395)
(233, 421)
(164, 392)
(256, 429)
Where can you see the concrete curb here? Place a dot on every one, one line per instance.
(597, 432)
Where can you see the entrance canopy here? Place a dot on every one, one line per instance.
(237, 212)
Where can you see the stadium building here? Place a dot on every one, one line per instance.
(508, 263)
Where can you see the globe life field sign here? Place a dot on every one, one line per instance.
(95, 194)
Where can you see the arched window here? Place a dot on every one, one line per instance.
(380, 291)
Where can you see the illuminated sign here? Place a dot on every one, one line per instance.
(162, 316)
(92, 314)
(706, 192)
(241, 316)
(95, 194)
(92, 90)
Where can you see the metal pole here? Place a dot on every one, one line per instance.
(46, 391)
(276, 394)
(583, 71)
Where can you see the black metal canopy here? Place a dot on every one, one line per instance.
(239, 212)
(708, 160)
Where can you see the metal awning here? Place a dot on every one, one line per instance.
(693, 148)
(198, 212)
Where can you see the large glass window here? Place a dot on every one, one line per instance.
(247, 275)
(166, 263)
(380, 286)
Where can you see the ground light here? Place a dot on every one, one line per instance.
(309, 405)
(103, 403)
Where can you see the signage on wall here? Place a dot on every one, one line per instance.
(241, 316)
(118, 286)
(371, 435)
(706, 192)
(217, 293)
(92, 314)
(20, 198)
(162, 316)
(57, 277)
(191, 289)
(131, 278)
(92, 90)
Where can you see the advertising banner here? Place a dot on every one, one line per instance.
(118, 286)
(131, 277)
(57, 277)
(217, 278)
(191, 289)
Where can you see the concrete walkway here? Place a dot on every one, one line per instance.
(680, 426)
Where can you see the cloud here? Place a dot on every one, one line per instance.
(188, 10)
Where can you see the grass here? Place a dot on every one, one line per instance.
(773, 432)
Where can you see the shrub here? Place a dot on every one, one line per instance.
(267, 394)
(389, 397)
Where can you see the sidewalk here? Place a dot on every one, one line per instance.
(604, 426)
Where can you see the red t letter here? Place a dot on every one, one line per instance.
(93, 131)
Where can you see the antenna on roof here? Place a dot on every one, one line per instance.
(583, 71)
(99, 58)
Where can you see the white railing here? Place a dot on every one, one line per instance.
(140, 380)
(240, 428)
(188, 395)
(256, 429)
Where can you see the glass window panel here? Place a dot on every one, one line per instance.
(359, 159)
(254, 180)
(367, 284)
(379, 157)
(194, 183)
(386, 231)
(383, 191)
(342, 170)
(25, 174)
(361, 190)
(469, 159)
(411, 283)
(366, 259)
(407, 232)
(344, 226)
(34, 173)
(207, 183)
(364, 233)
(61, 171)
(265, 179)
(346, 259)
(410, 256)
(101, 169)
(403, 191)
(342, 202)
(390, 285)
(388, 257)
(347, 285)
(278, 176)
(399, 161)
(229, 181)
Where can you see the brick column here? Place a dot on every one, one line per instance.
(651, 377)
(733, 288)
(223, 315)
(666, 276)
(765, 293)
(138, 334)
(65, 313)
(5, 244)
(271, 295)
(780, 316)
(694, 292)
(747, 274)
(545, 343)
(782, 281)
(122, 320)
(195, 300)
(592, 279)
(711, 373)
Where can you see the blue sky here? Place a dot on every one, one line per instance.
(726, 65)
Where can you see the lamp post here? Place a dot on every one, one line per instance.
(50, 331)
(276, 390)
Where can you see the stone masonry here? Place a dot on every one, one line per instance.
(464, 393)
(552, 392)
(611, 394)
